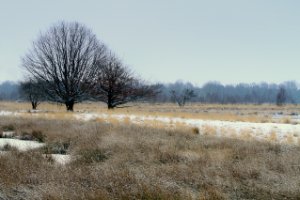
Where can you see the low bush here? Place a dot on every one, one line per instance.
(88, 156)
(38, 135)
(8, 127)
(26, 136)
(6, 147)
(57, 148)
(196, 130)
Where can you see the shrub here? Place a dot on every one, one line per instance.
(196, 130)
(57, 148)
(39, 136)
(166, 157)
(88, 156)
(7, 147)
(26, 136)
(8, 127)
(287, 121)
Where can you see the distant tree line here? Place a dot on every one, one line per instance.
(178, 92)
(9, 91)
(214, 92)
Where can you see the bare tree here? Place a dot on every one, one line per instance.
(64, 58)
(281, 96)
(115, 84)
(182, 97)
(33, 92)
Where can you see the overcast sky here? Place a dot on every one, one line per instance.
(165, 40)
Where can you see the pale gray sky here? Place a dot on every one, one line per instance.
(165, 40)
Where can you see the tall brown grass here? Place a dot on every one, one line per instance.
(123, 161)
(236, 112)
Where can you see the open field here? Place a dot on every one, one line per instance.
(98, 154)
(261, 122)
(227, 112)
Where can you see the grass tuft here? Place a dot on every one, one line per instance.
(88, 156)
(38, 135)
(195, 130)
(9, 127)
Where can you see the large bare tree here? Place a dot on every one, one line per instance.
(116, 84)
(64, 58)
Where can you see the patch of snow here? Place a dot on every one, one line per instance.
(61, 159)
(8, 134)
(6, 113)
(282, 116)
(22, 145)
(36, 111)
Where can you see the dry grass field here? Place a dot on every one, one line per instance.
(227, 112)
(128, 161)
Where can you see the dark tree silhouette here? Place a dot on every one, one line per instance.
(33, 92)
(281, 96)
(116, 84)
(214, 92)
(182, 97)
(64, 58)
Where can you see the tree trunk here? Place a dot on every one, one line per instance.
(110, 102)
(110, 106)
(70, 106)
(34, 105)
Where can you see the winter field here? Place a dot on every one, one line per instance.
(149, 151)
(264, 122)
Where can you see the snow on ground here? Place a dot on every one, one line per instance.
(61, 159)
(282, 133)
(22, 145)
(277, 132)
(7, 113)
(25, 145)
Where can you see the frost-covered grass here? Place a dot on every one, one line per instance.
(127, 161)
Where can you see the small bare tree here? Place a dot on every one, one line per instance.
(33, 92)
(64, 58)
(182, 97)
(115, 84)
(281, 96)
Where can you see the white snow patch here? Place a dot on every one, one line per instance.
(8, 134)
(61, 159)
(6, 113)
(22, 145)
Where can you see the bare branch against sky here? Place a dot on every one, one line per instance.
(228, 41)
